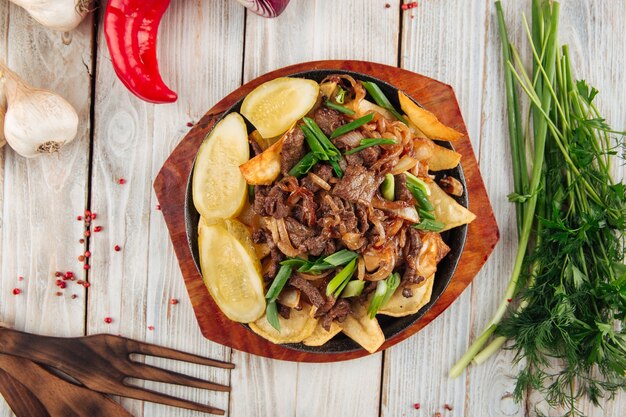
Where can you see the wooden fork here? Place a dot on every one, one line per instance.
(102, 363)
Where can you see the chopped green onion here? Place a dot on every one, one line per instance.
(393, 282)
(315, 267)
(429, 225)
(313, 143)
(426, 214)
(333, 163)
(387, 188)
(339, 108)
(366, 143)
(329, 147)
(337, 283)
(279, 282)
(381, 99)
(422, 200)
(341, 258)
(353, 289)
(294, 262)
(417, 182)
(340, 97)
(377, 300)
(271, 313)
(342, 130)
(304, 165)
(251, 192)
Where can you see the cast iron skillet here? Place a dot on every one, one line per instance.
(454, 238)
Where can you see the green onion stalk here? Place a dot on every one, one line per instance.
(546, 39)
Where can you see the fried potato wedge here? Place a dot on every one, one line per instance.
(443, 158)
(426, 121)
(263, 143)
(363, 330)
(298, 327)
(447, 210)
(320, 335)
(264, 168)
(400, 306)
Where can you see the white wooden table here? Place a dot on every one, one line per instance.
(208, 48)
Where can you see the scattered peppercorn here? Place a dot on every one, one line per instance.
(58, 293)
(86, 266)
(121, 181)
(97, 229)
(437, 414)
(58, 274)
(87, 254)
(108, 320)
(189, 124)
(87, 212)
(87, 233)
(387, 5)
(117, 248)
(79, 218)
(20, 278)
(417, 406)
(173, 301)
(158, 207)
(62, 285)
(150, 327)
(93, 216)
(86, 284)
(74, 296)
(17, 291)
(81, 258)
(81, 240)
(447, 407)
(80, 282)
(69, 274)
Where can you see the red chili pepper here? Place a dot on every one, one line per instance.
(131, 28)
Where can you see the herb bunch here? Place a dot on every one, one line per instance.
(569, 279)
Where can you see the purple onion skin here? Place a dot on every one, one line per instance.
(266, 8)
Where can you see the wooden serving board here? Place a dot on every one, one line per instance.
(171, 183)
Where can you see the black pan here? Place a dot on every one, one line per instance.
(454, 238)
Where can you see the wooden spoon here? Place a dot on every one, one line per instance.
(20, 399)
(58, 397)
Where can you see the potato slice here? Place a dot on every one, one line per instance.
(443, 158)
(400, 306)
(264, 168)
(298, 327)
(426, 121)
(275, 105)
(447, 210)
(218, 188)
(363, 330)
(230, 272)
(320, 335)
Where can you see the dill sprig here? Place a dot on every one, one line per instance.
(569, 278)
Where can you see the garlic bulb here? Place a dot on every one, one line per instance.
(62, 15)
(37, 121)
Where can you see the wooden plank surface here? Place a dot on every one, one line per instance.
(203, 57)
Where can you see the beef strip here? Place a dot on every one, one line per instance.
(312, 293)
(324, 171)
(402, 192)
(298, 233)
(407, 292)
(370, 155)
(292, 151)
(339, 312)
(275, 258)
(260, 199)
(361, 214)
(357, 183)
(328, 120)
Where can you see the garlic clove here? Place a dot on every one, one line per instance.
(37, 121)
(61, 15)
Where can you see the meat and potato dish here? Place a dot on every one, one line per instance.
(335, 218)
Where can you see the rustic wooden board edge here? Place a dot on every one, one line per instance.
(170, 186)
